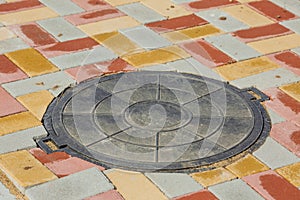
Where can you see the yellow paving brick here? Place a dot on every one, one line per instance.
(114, 40)
(120, 2)
(31, 62)
(109, 25)
(276, 44)
(36, 102)
(191, 33)
(213, 177)
(17, 122)
(134, 186)
(247, 166)
(166, 8)
(291, 173)
(27, 16)
(293, 90)
(24, 169)
(157, 56)
(247, 15)
(246, 68)
(6, 34)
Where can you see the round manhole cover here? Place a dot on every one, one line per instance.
(156, 121)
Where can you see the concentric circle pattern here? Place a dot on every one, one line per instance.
(155, 121)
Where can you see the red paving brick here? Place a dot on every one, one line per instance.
(19, 5)
(110, 195)
(9, 71)
(177, 23)
(289, 60)
(206, 53)
(8, 104)
(262, 32)
(272, 186)
(91, 4)
(48, 158)
(271, 10)
(204, 4)
(202, 195)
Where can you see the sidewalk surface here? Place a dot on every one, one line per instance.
(47, 45)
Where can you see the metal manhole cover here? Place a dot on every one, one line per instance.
(155, 121)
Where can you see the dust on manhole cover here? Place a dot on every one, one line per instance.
(155, 121)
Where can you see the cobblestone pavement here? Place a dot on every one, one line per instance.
(47, 45)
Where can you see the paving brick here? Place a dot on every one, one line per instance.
(36, 102)
(234, 189)
(276, 44)
(27, 16)
(268, 79)
(291, 173)
(19, 5)
(292, 90)
(134, 185)
(111, 195)
(21, 139)
(62, 7)
(272, 186)
(61, 29)
(213, 177)
(293, 25)
(55, 82)
(5, 194)
(287, 134)
(81, 58)
(279, 157)
(120, 2)
(12, 44)
(17, 122)
(205, 4)
(203, 194)
(182, 1)
(45, 158)
(109, 25)
(5, 33)
(141, 12)
(92, 5)
(247, 15)
(222, 20)
(174, 184)
(296, 50)
(8, 104)
(9, 71)
(275, 118)
(76, 186)
(145, 37)
(225, 44)
(24, 170)
(31, 62)
(177, 23)
(289, 60)
(290, 5)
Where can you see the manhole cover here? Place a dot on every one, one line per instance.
(156, 121)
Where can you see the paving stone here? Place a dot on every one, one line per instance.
(120, 2)
(62, 7)
(272, 186)
(174, 184)
(145, 37)
(222, 20)
(17, 122)
(141, 13)
(292, 89)
(19, 5)
(24, 170)
(76, 186)
(55, 82)
(203, 194)
(205, 4)
(5, 194)
(61, 29)
(8, 104)
(98, 54)
(279, 156)
(293, 25)
(268, 79)
(92, 5)
(291, 173)
(290, 5)
(288, 59)
(12, 44)
(225, 44)
(21, 139)
(111, 195)
(5, 33)
(296, 50)
(45, 158)
(9, 71)
(275, 118)
(182, 1)
(134, 185)
(236, 189)
(213, 177)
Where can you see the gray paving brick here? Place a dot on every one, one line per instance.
(43, 82)
(21, 139)
(272, 78)
(5, 194)
(182, 1)
(174, 184)
(297, 51)
(81, 58)
(145, 37)
(61, 29)
(233, 47)
(274, 155)
(235, 189)
(290, 5)
(62, 7)
(275, 118)
(12, 44)
(76, 186)
(141, 13)
(2, 1)
(231, 24)
(293, 25)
